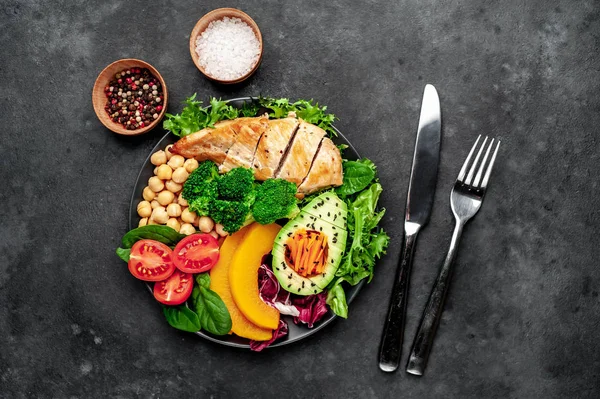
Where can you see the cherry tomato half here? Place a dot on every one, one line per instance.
(151, 261)
(175, 290)
(196, 253)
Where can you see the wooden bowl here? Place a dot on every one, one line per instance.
(216, 15)
(99, 97)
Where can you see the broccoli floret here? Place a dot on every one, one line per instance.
(233, 215)
(204, 194)
(195, 185)
(275, 199)
(236, 184)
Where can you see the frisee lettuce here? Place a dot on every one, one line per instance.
(305, 109)
(195, 117)
(366, 243)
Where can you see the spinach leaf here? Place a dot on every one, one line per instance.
(163, 234)
(336, 299)
(182, 318)
(124, 253)
(357, 176)
(212, 312)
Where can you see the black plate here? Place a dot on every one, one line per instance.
(296, 333)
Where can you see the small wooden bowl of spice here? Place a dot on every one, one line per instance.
(226, 45)
(130, 97)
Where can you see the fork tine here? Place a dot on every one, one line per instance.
(489, 169)
(463, 170)
(472, 171)
(480, 171)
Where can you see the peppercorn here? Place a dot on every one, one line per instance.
(132, 98)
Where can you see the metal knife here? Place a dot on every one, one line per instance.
(421, 190)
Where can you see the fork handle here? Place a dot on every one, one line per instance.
(417, 361)
(393, 331)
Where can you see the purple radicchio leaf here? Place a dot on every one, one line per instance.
(282, 330)
(312, 308)
(272, 293)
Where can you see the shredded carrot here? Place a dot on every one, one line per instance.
(306, 252)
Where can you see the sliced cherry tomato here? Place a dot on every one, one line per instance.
(175, 290)
(196, 253)
(151, 260)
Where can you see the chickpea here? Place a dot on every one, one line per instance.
(174, 224)
(155, 171)
(182, 201)
(158, 158)
(151, 222)
(174, 210)
(159, 215)
(154, 204)
(205, 224)
(144, 209)
(148, 194)
(173, 187)
(187, 229)
(156, 184)
(165, 197)
(220, 231)
(190, 165)
(176, 161)
(215, 235)
(143, 222)
(180, 175)
(188, 216)
(164, 172)
(168, 153)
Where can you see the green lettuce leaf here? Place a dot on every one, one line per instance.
(336, 299)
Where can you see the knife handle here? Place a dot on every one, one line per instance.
(393, 331)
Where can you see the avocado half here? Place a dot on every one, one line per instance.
(326, 214)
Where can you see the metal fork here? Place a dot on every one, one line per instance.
(465, 199)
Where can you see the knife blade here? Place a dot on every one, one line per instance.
(419, 201)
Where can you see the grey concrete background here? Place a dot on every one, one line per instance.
(523, 317)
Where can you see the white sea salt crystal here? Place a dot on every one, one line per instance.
(227, 49)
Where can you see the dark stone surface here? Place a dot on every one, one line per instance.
(523, 316)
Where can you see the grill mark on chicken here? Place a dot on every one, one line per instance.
(325, 170)
(286, 151)
(272, 147)
(296, 164)
(311, 163)
(241, 153)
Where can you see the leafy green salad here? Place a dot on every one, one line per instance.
(366, 242)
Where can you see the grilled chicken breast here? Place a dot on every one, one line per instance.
(241, 153)
(297, 163)
(272, 147)
(288, 148)
(326, 169)
(208, 144)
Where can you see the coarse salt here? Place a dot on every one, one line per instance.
(227, 49)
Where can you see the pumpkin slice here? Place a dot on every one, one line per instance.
(243, 275)
(219, 282)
